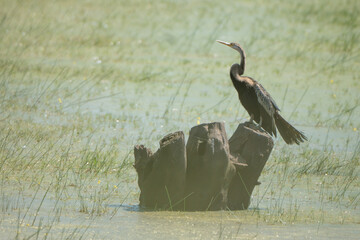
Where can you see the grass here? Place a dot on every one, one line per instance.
(81, 83)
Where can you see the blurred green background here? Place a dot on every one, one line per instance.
(82, 82)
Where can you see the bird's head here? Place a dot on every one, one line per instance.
(233, 45)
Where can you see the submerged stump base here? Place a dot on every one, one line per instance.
(210, 172)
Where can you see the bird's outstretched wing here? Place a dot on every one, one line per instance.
(265, 99)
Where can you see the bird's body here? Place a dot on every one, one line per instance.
(258, 102)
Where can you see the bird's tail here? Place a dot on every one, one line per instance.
(288, 132)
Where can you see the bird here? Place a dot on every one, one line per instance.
(258, 102)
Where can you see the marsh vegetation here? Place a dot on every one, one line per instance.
(82, 82)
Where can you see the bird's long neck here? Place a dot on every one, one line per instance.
(242, 61)
(236, 70)
(236, 78)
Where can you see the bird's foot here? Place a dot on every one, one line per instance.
(254, 125)
(257, 127)
(250, 122)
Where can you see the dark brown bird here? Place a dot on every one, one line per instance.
(258, 102)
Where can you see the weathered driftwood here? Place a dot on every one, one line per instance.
(211, 173)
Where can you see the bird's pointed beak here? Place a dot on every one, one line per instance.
(225, 43)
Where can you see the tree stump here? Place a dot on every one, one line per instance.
(210, 173)
(251, 146)
(162, 175)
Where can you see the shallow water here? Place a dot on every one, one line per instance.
(297, 210)
(129, 222)
(218, 225)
